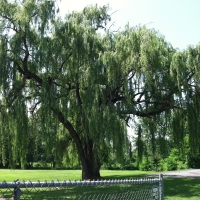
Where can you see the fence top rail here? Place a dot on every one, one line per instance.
(27, 184)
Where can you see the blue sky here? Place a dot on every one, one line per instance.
(177, 20)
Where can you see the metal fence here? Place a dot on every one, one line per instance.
(134, 189)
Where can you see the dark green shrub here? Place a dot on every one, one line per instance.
(145, 165)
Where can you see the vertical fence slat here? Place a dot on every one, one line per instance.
(161, 185)
(17, 193)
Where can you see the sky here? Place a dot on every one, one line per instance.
(177, 20)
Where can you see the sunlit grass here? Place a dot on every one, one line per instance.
(42, 175)
(61, 175)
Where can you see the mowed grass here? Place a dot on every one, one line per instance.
(41, 175)
(61, 175)
(174, 188)
(182, 188)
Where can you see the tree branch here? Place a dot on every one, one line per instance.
(71, 130)
(15, 93)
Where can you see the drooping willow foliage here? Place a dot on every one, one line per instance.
(182, 120)
(77, 73)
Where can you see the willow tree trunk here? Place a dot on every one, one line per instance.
(90, 163)
(87, 150)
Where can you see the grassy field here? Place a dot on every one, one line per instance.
(174, 188)
(61, 175)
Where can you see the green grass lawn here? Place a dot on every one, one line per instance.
(182, 188)
(61, 175)
(174, 188)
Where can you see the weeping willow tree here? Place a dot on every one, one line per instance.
(81, 75)
(54, 68)
(182, 119)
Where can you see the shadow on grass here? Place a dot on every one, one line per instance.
(107, 192)
(182, 187)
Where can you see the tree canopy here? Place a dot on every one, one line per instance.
(77, 73)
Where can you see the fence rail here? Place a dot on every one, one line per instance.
(144, 189)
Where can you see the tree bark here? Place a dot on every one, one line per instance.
(91, 164)
(91, 170)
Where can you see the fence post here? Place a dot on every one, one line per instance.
(17, 193)
(161, 185)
